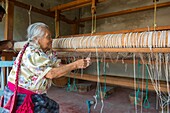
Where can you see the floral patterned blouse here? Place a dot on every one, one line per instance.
(35, 64)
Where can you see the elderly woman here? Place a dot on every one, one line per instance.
(32, 72)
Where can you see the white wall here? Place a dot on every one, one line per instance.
(126, 21)
(21, 18)
(123, 22)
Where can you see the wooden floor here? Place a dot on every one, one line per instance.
(118, 102)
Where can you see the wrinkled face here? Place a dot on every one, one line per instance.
(1, 16)
(45, 42)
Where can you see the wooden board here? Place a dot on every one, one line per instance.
(125, 82)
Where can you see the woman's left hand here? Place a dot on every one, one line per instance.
(82, 63)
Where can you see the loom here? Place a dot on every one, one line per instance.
(151, 47)
(148, 47)
(121, 44)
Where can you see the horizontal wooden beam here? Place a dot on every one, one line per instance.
(143, 8)
(120, 81)
(70, 5)
(76, 7)
(133, 50)
(73, 5)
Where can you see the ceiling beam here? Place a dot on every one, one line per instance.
(73, 5)
(70, 5)
(143, 8)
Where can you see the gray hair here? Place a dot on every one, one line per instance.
(36, 30)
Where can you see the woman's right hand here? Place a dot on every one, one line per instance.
(82, 63)
(62, 70)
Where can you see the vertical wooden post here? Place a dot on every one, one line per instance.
(8, 32)
(75, 27)
(57, 23)
(9, 21)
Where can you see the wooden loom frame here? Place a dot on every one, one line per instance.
(9, 29)
(127, 82)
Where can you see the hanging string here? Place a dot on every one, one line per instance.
(98, 77)
(143, 68)
(167, 81)
(82, 68)
(29, 14)
(155, 73)
(162, 100)
(93, 29)
(154, 24)
(163, 97)
(94, 23)
(138, 93)
(168, 106)
(102, 101)
(146, 103)
(134, 73)
(104, 73)
(97, 95)
(167, 96)
(3, 4)
(68, 89)
(158, 74)
(153, 70)
(74, 86)
(6, 8)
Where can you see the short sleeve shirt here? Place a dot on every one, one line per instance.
(35, 64)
